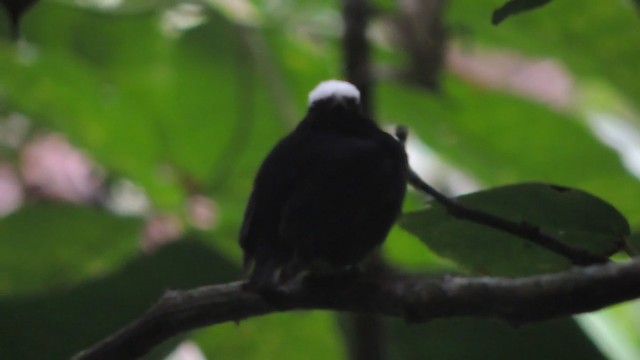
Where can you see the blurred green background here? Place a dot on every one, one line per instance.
(130, 132)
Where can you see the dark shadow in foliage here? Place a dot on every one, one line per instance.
(463, 339)
(61, 323)
(15, 9)
(514, 7)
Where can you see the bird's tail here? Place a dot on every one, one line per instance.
(291, 270)
(264, 274)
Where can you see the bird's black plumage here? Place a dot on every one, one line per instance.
(327, 193)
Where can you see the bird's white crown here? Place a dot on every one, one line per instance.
(334, 89)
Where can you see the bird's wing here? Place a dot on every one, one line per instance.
(272, 187)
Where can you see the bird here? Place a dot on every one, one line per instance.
(326, 195)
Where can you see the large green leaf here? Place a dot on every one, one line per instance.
(46, 245)
(572, 216)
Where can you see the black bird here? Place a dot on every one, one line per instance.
(326, 195)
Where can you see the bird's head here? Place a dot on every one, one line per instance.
(334, 106)
(334, 94)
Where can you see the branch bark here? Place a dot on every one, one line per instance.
(413, 298)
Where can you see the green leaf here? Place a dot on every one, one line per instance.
(60, 323)
(572, 216)
(47, 245)
(513, 7)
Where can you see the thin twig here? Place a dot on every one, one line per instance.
(415, 299)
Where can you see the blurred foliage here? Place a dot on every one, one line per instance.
(53, 245)
(59, 322)
(187, 98)
(295, 335)
(582, 37)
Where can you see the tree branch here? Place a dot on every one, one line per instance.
(415, 299)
